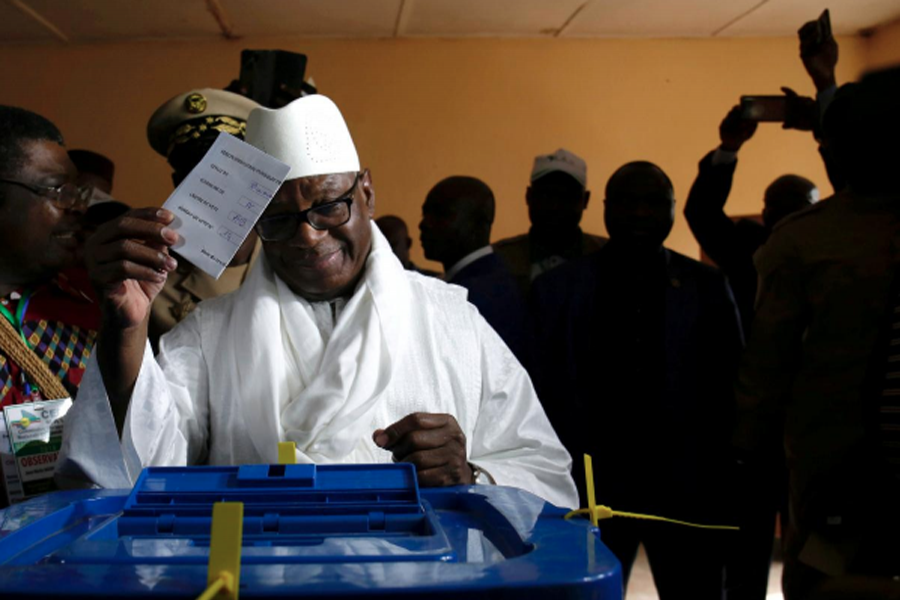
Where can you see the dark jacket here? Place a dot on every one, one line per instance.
(731, 245)
(655, 416)
(493, 290)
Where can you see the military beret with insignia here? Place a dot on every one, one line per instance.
(188, 116)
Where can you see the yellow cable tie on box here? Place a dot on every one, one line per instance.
(223, 576)
(225, 580)
(605, 512)
(287, 453)
(596, 511)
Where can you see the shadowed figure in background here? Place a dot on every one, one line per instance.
(556, 199)
(456, 230)
(636, 349)
(397, 234)
(94, 170)
(819, 377)
(97, 171)
(732, 244)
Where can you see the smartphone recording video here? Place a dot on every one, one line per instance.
(772, 109)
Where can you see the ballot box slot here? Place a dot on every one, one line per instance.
(367, 512)
(336, 524)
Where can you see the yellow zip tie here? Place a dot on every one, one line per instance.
(589, 479)
(223, 578)
(596, 512)
(605, 512)
(287, 453)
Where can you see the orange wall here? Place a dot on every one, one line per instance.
(883, 47)
(424, 109)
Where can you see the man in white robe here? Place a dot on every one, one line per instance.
(330, 344)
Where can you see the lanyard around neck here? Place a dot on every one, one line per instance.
(17, 320)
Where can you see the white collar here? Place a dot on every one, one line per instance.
(467, 260)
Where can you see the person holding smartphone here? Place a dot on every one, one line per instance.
(732, 244)
(819, 376)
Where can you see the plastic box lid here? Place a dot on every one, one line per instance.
(311, 530)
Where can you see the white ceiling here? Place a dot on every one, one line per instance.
(90, 21)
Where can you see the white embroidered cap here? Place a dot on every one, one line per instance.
(309, 134)
(561, 160)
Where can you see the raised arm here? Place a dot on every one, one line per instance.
(705, 207)
(819, 53)
(820, 56)
(128, 261)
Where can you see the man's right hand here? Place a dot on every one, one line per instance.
(819, 56)
(735, 130)
(128, 261)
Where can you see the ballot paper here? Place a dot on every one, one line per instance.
(218, 203)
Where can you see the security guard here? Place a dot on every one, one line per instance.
(182, 130)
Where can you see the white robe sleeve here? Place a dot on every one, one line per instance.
(166, 423)
(513, 441)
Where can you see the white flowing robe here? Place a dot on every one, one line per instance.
(262, 365)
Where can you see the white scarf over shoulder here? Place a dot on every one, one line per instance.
(263, 365)
(325, 389)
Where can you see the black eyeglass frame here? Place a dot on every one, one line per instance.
(79, 198)
(302, 217)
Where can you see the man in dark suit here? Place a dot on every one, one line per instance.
(456, 231)
(637, 348)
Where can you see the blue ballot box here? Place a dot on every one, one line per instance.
(311, 531)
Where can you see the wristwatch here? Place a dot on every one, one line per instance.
(479, 476)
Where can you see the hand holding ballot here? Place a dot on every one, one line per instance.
(128, 259)
(206, 219)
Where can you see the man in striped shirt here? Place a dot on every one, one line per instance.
(48, 318)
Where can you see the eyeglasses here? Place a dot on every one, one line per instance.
(328, 215)
(65, 196)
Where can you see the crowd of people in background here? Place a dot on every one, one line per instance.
(764, 385)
